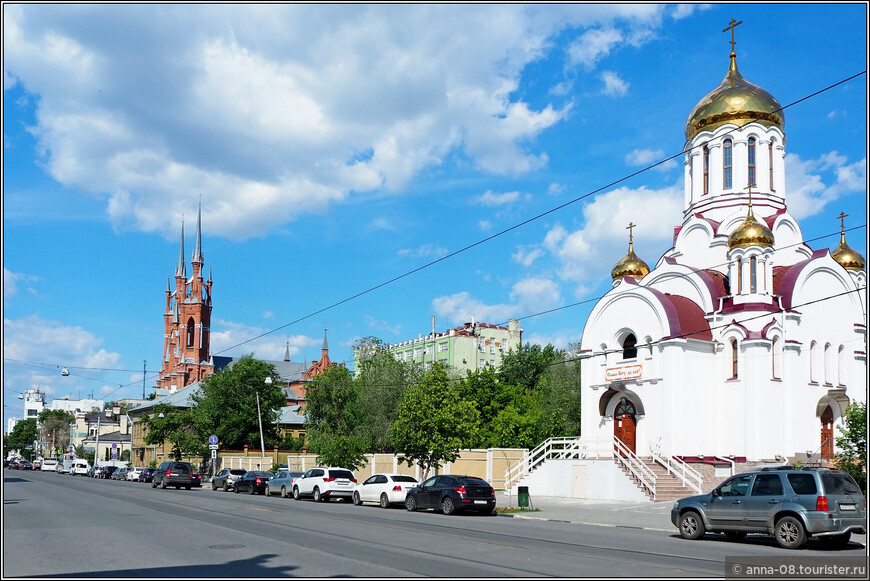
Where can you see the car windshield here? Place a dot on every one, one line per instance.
(839, 483)
(261, 474)
(341, 474)
(473, 481)
(237, 472)
(404, 479)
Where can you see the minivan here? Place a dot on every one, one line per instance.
(80, 468)
(49, 464)
(172, 473)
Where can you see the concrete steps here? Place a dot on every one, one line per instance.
(668, 486)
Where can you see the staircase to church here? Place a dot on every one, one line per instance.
(667, 486)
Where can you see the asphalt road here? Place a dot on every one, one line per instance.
(64, 526)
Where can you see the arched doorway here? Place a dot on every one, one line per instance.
(625, 424)
(827, 434)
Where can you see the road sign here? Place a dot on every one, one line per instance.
(213, 453)
(212, 446)
(212, 439)
(114, 445)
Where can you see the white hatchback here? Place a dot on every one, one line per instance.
(324, 483)
(385, 489)
(133, 474)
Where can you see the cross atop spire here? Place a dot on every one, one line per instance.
(631, 226)
(842, 218)
(731, 26)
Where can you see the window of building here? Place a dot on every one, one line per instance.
(829, 364)
(418, 351)
(739, 276)
(814, 348)
(629, 347)
(751, 160)
(726, 164)
(734, 359)
(753, 287)
(706, 158)
(776, 359)
(841, 366)
(770, 164)
(191, 331)
(442, 347)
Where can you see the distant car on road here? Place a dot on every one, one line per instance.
(253, 482)
(384, 489)
(283, 483)
(106, 472)
(451, 494)
(226, 478)
(196, 480)
(25, 465)
(133, 474)
(49, 465)
(323, 484)
(120, 473)
(146, 475)
(172, 473)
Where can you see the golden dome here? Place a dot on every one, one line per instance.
(750, 233)
(848, 258)
(735, 101)
(630, 265)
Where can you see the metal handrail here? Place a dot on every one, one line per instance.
(819, 449)
(730, 461)
(682, 471)
(555, 449)
(635, 465)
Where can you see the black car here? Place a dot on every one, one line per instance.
(147, 475)
(172, 473)
(196, 479)
(449, 494)
(107, 471)
(253, 482)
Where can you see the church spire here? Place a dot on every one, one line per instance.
(197, 251)
(287, 352)
(180, 269)
(845, 255)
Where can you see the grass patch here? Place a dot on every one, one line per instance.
(511, 509)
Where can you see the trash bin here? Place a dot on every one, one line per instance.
(523, 496)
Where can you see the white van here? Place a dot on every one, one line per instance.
(49, 464)
(80, 468)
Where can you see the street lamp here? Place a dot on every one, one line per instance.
(268, 381)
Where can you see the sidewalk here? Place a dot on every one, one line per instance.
(654, 516)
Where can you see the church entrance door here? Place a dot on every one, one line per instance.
(625, 424)
(828, 434)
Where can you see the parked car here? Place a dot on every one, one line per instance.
(107, 471)
(226, 478)
(172, 473)
(133, 474)
(80, 468)
(49, 465)
(450, 494)
(322, 484)
(283, 483)
(196, 480)
(120, 473)
(146, 475)
(253, 482)
(385, 489)
(790, 504)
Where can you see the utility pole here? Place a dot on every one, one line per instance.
(143, 378)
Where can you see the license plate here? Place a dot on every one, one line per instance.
(479, 502)
(847, 507)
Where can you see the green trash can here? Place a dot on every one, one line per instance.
(523, 496)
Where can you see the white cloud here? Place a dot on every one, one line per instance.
(484, 225)
(593, 45)
(424, 251)
(535, 294)
(526, 255)
(460, 308)
(490, 198)
(808, 194)
(381, 325)
(646, 157)
(231, 339)
(614, 86)
(12, 280)
(681, 11)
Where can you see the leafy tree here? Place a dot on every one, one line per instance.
(490, 396)
(852, 457)
(227, 404)
(177, 426)
(434, 423)
(557, 399)
(54, 427)
(332, 419)
(524, 367)
(23, 435)
(289, 442)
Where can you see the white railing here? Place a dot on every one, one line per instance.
(635, 466)
(729, 460)
(682, 471)
(557, 449)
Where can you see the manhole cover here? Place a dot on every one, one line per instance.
(227, 547)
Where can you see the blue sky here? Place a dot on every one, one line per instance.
(336, 147)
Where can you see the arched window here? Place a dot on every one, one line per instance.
(770, 164)
(706, 158)
(191, 332)
(726, 164)
(776, 358)
(624, 408)
(841, 366)
(751, 160)
(739, 276)
(753, 263)
(733, 358)
(829, 364)
(629, 347)
(814, 348)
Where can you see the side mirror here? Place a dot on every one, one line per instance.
(716, 492)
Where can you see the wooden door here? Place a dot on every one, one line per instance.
(625, 424)
(827, 434)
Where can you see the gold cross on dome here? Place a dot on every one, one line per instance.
(629, 228)
(842, 217)
(749, 187)
(731, 26)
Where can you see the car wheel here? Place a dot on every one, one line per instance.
(447, 506)
(691, 525)
(385, 502)
(790, 533)
(283, 492)
(163, 484)
(252, 490)
(317, 497)
(266, 491)
(153, 484)
(236, 489)
(357, 501)
(226, 486)
(411, 503)
(735, 536)
(295, 493)
(213, 486)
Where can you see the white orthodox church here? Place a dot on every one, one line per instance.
(743, 342)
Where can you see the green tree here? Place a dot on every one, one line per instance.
(557, 398)
(491, 395)
(177, 426)
(434, 423)
(227, 404)
(852, 457)
(54, 427)
(24, 434)
(524, 367)
(332, 419)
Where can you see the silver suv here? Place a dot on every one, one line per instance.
(226, 478)
(789, 503)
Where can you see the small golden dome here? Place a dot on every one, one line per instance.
(848, 258)
(735, 101)
(630, 265)
(750, 233)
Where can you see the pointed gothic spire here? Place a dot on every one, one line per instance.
(197, 251)
(325, 344)
(287, 352)
(180, 269)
